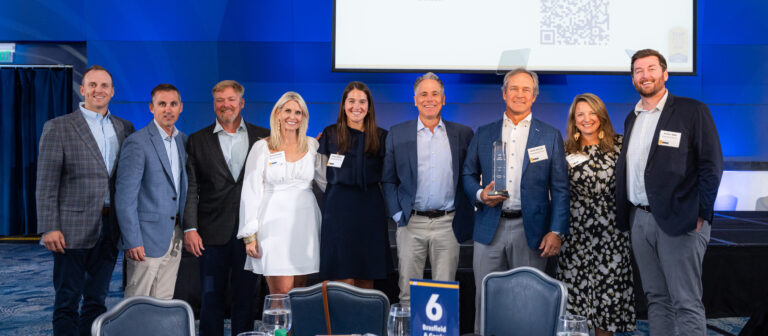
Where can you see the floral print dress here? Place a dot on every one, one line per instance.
(595, 262)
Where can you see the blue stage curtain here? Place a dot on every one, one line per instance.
(29, 96)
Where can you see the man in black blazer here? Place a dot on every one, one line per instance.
(215, 164)
(667, 177)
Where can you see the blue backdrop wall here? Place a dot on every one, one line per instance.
(275, 46)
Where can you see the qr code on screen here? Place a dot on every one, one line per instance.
(574, 22)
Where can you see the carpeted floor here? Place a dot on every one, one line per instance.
(26, 293)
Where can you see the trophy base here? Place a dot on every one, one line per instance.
(498, 193)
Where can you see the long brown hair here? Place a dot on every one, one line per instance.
(372, 144)
(573, 145)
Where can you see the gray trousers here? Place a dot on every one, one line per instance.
(426, 237)
(670, 270)
(508, 250)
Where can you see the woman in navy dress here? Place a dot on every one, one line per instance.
(354, 243)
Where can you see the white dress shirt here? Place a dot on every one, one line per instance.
(103, 132)
(638, 149)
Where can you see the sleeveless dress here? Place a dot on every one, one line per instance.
(277, 203)
(595, 259)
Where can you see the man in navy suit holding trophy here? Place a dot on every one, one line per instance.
(526, 225)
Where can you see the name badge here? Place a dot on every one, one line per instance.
(576, 159)
(276, 159)
(669, 139)
(537, 154)
(335, 160)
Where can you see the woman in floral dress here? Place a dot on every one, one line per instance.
(595, 260)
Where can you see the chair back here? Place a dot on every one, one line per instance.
(143, 315)
(522, 301)
(352, 310)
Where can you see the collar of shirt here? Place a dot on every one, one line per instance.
(163, 134)
(658, 108)
(525, 122)
(420, 125)
(218, 128)
(92, 115)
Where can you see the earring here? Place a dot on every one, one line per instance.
(576, 136)
(601, 135)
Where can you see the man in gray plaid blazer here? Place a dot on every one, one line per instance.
(75, 188)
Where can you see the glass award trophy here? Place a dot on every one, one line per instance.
(499, 169)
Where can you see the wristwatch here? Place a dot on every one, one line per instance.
(559, 235)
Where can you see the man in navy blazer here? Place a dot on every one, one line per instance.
(150, 198)
(422, 187)
(667, 177)
(527, 227)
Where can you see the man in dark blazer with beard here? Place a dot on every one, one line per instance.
(667, 177)
(215, 164)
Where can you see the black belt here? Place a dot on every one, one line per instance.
(512, 214)
(432, 213)
(646, 208)
(105, 210)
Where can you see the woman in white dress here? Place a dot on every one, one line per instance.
(279, 216)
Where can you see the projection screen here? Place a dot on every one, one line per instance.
(558, 36)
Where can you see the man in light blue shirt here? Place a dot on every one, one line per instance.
(420, 180)
(150, 198)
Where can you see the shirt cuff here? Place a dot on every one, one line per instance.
(396, 217)
(479, 192)
(192, 229)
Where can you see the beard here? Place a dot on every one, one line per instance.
(652, 91)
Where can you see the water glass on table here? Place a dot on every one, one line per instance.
(277, 313)
(399, 322)
(572, 325)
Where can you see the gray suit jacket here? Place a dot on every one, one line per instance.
(72, 179)
(146, 200)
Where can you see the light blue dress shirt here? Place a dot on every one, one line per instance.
(234, 146)
(639, 148)
(169, 141)
(104, 133)
(434, 186)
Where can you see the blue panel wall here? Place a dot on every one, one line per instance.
(274, 46)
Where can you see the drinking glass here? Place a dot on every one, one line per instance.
(399, 322)
(277, 313)
(572, 325)
(252, 333)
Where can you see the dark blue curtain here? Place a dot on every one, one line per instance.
(29, 96)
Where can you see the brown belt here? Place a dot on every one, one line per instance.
(105, 210)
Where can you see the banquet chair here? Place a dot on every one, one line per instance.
(521, 301)
(144, 315)
(352, 310)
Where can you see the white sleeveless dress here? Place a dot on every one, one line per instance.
(277, 203)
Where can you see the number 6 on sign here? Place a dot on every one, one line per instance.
(434, 309)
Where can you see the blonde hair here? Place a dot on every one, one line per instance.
(223, 85)
(275, 139)
(573, 145)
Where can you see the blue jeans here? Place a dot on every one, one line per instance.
(82, 274)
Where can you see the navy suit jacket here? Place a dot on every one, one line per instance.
(399, 175)
(544, 190)
(681, 183)
(146, 200)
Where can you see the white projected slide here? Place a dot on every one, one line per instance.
(498, 35)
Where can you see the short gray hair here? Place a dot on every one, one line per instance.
(428, 75)
(519, 71)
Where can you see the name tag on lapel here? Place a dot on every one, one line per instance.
(576, 159)
(669, 139)
(335, 160)
(276, 159)
(537, 154)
